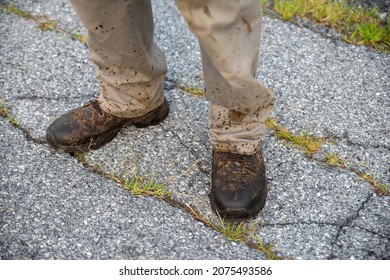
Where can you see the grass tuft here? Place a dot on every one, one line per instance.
(369, 33)
(4, 110)
(137, 185)
(196, 90)
(334, 159)
(267, 249)
(81, 157)
(44, 23)
(380, 189)
(235, 231)
(5, 113)
(358, 25)
(12, 9)
(140, 186)
(307, 143)
(238, 232)
(47, 25)
(82, 38)
(244, 233)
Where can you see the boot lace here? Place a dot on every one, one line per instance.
(95, 104)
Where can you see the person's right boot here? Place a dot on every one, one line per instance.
(239, 185)
(89, 127)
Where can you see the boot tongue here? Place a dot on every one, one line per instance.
(238, 164)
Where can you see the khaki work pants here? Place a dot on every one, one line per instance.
(130, 68)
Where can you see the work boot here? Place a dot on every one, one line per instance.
(89, 127)
(239, 185)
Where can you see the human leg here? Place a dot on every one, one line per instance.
(130, 70)
(229, 37)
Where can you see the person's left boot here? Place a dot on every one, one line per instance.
(239, 185)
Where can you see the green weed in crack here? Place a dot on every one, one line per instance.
(5, 113)
(141, 186)
(44, 22)
(311, 145)
(241, 232)
(196, 90)
(307, 143)
(335, 160)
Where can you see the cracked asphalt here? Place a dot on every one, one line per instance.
(53, 207)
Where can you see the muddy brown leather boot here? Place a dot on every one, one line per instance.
(89, 127)
(239, 185)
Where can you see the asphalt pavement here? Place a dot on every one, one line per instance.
(54, 207)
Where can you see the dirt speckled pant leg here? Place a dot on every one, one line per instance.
(130, 68)
(229, 34)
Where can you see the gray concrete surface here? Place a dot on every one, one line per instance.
(52, 207)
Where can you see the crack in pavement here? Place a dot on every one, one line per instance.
(372, 232)
(348, 222)
(321, 224)
(318, 158)
(199, 162)
(190, 149)
(27, 133)
(362, 145)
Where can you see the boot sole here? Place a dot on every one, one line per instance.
(152, 118)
